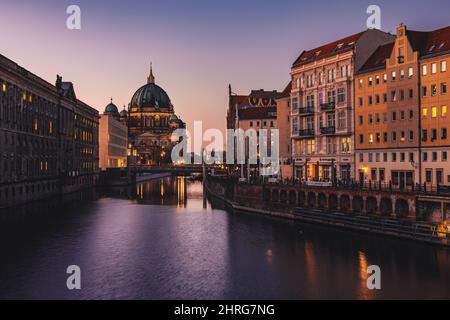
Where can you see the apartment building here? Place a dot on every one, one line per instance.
(400, 112)
(322, 106)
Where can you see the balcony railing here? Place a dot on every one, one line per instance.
(330, 106)
(306, 111)
(306, 133)
(328, 130)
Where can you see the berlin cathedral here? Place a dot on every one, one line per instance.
(151, 120)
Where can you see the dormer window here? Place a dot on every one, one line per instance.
(441, 45)
(339, 46)
(431, 48)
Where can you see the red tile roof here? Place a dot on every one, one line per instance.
(329, 49)
(378, 58)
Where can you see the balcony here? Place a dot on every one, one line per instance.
(306, 133)
(306, 111)
(328, 130)
(330, 106)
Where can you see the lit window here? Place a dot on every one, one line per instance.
(425, 112)
(394, 75)
(424, 70)
(4, 87)
(433, 68)
(410, 72)
(24, 96)
(443, 66)
(444, 111)
(371, 138)
(433, 112)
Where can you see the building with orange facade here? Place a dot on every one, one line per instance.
(322, 104)
(400, 112)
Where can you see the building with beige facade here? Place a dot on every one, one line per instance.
(401, 111)
(322, 105)
(113, 139)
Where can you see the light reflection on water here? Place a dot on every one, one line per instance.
(156, 241)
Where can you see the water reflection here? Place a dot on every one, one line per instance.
(156, 241)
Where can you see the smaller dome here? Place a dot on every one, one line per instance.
(123, 113)
(111, 109)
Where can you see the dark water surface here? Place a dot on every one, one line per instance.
(157, 242)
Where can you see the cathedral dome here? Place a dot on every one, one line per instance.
(150, 96)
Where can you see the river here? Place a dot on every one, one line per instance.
(157, 241)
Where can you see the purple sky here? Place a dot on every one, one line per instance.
(197, 47)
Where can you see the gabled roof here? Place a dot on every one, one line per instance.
(378, 58)
(329, 49)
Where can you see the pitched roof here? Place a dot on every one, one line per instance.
(287, 91)
(329, 49)
(236, 99)
(430, 43)
(378, 59)
(260, 98)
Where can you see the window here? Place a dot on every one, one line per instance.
(370, 100)
(373, 174)
(433, 90)
(402, 157)
(433, 134)
(377, 99)
(434, 156)
(411, 135)
(341, 120)
(360, 120)
(385, 136)
(410, 72)
(371, 138)
(346, 145)
(428, 175)
(361, 157)
(433, 112)
(439, 175)
(393, 75)
(444, 133)
(443, 111)
(394, 156)
(384, 77)
(378, 137)
(385, 157)
(411, 157)
(370, 81)
(393, 96)
(402, 136)
(411, 93)
(444, 156)
(424, 91)
(360, 101)
(377, 80)
(361, 139)
(370, 157)
(360, 83)
(382, 175)
(377, 118)
(433, 68)
(424, 70)
(424, 112)
(402, 73)
(443, 66)
(384, 97)
(370, 119)
(425, 156)
(424, 134)
(402, 95)
(394, 116)
(251, 123)
(411, 114)
(294, 104)
(443, 88)
(341, 95)
(394, 136)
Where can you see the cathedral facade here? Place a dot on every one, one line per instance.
(151, 120)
